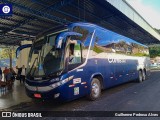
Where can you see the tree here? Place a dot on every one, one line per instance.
(154, 51)
(8, 53)
(158, 30)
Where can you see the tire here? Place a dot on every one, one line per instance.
(144, 75)
(140, 76)
(95, 89)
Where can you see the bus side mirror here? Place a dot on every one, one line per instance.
(21, 48)
(61, 38)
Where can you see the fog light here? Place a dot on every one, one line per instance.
(56, 95)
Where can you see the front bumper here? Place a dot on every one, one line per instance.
(52, 94)
(47, 92)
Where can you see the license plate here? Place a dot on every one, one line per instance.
(37, 95)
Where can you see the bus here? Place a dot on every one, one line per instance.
(82, 60)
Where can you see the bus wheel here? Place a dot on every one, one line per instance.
(143, 75)
(140, 76)
(95, 89)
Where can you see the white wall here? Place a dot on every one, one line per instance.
(23, 56)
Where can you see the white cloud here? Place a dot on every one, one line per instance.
(147, 12)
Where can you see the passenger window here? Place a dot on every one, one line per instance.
(75, 54)
(102, 43)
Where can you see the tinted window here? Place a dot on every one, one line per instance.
(102, 42)
(110, 42)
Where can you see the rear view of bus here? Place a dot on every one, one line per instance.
(81, 61)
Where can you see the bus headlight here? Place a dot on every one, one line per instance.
(64, 81)
(61, 82)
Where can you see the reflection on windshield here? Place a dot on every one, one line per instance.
(44, 58)
(47, 53)
(35, 58)
(53, 62)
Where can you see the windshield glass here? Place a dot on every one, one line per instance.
(49, 55)
(44, 58)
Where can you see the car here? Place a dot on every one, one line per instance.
(154, 65)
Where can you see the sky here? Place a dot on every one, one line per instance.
(149, 10)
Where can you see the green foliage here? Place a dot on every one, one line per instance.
(154, 51)
(157, 30)
(97, 50)
(6, 53)
(140, 54)
(77, 47)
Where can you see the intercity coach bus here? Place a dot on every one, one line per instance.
(81, 60)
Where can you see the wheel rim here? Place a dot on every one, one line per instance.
(95, 89)
(140, 76)
(144, 76)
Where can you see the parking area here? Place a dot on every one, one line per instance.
(131, 96)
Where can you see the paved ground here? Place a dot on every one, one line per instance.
(131, 96)
(13, 97)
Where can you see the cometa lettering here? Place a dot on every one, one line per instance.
(112, 60)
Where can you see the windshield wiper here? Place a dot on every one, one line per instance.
(33, 65)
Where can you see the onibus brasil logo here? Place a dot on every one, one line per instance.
(6, 9)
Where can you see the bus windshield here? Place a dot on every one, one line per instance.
(44, 58)
(47, 55)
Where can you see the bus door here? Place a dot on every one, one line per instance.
(73, 59)
(73, 62)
